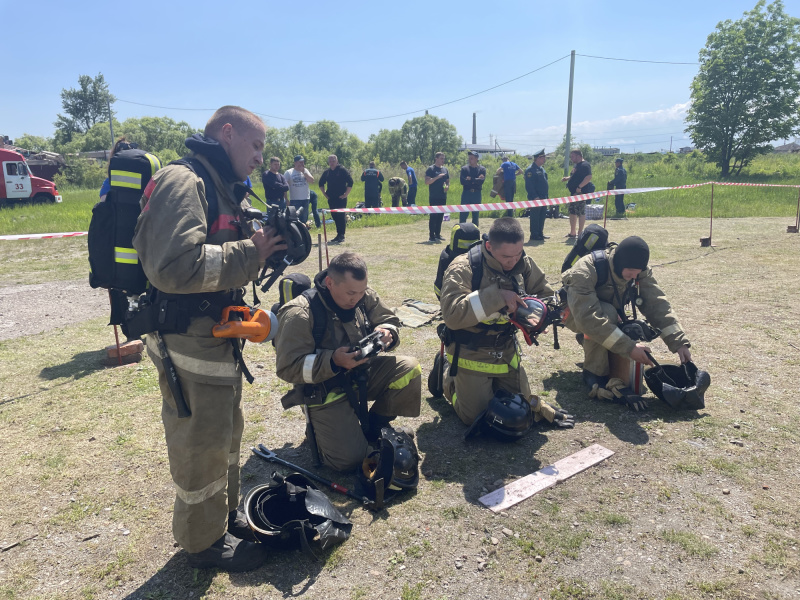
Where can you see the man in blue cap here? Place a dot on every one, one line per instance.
(537, 188)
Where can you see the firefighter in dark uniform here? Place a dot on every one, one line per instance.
(372, 179)
(620, 182)
(537, 188)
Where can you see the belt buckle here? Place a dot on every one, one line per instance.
(204, 305)
(496, 354)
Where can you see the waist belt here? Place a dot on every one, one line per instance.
(474, 340)
(172, 313)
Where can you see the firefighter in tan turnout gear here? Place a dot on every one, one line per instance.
(322, 364)
(197, 251)
(599, 287)
(479, 335)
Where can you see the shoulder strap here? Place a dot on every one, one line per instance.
(319, 314)
(476, 264)
(196, 167)
(600, 261)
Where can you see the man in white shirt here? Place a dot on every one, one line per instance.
(298, 179)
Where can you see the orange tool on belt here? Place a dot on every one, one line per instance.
(246, 323)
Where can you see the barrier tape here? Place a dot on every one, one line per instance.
(43, 236)
(444, 208)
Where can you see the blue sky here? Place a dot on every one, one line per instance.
(348, 61)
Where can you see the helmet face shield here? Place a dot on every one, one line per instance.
(530, 319)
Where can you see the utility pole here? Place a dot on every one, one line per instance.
(474, 130)
(670, 144)
(110, 124)
(569, 114)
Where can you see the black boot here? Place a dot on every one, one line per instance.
(230, 554)
(238, 527)
(590, 379)
(376, 423)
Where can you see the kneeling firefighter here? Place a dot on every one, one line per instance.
(605, 289)
(480, 291)
(327, 343)
(198, 249)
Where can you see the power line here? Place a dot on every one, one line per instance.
(373, 118)
(656, 62)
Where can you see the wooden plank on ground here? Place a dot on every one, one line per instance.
(523, 488)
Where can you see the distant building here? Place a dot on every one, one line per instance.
(788, 148)
(686, 150)
(486, 149)
(603, 151)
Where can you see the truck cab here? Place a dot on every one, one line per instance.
(19, 184)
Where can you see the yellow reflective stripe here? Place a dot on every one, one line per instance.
(465, 243)
(203, 494)
(515, 361)
(480, 367)
(287, 290)
(155, 164)
(127, 179)
(406, 379)
(613, 338)
(125, 255)
(437, 290)
(333, 397)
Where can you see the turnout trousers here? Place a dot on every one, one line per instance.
(470, 391)
(203, 449)
(595, 355)
(394, 388)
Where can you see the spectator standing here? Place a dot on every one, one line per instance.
(579, 182)
(510, 172)
(298, 179)
(336, 185)
(412, 183)
(275, 186)
(372, 179)
(472, 177)
(437, 178)
(538, 189)
(620, 182)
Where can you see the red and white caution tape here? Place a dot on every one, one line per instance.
(43, 236)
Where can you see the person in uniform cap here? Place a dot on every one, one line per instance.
(596, 311)
(620, 182)
(472, 177)
(537, 188)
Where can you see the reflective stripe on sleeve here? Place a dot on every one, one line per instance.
(399, 384)
(308, 368)
(670, 330)
(126, 179)
(613, 338)
(126, 255)
(213, 268)
(198, 496)
(477, 307)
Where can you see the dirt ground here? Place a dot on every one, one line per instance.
(693, 504)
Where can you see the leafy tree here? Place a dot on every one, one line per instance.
(422, 137)
(34, 143)
(387, 146)
(84, 106)
(156, 134)
(746, 92)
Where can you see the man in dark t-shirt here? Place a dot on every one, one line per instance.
(339, 185)
(437, 178)
(275, 186)
(472, 177)
(579, 182)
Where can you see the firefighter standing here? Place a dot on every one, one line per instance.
(199, 266)
(372, 179)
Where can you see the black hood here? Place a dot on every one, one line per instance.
(346, 315)
(215, 154)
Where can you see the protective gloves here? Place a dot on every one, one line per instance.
(554, 416)
(616, 392)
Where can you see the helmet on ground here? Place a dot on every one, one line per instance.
(680, 386)
(530, 319)
(394, 465)
(507, 417)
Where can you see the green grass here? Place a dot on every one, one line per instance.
(691, 543)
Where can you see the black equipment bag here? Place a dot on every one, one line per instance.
(290, 513)
(680, 386)
(113, 261)
(462, 238)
